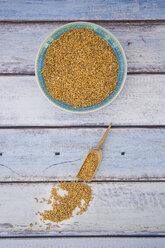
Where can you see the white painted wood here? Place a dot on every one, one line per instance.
(29, 154)
(117, 208)
(141, 102)
(73, 10)
(144, 44)
(83, 242)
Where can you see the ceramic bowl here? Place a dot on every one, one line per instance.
(107, 36)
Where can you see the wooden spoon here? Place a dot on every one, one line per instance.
(82, 174)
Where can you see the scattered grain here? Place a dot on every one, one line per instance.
(49, 201)
(48, 227)
(63, 206)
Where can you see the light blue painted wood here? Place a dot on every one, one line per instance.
(94, 242)
(128, 154)
(116, 209)
(143, 43)
(82, 10)
(141, 102)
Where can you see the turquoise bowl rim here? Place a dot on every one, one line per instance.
(40, 56)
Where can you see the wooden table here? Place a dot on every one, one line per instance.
(40, 144)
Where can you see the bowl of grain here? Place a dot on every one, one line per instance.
(81, 67)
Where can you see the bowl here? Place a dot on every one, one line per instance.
(107, 36)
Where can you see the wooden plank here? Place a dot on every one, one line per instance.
(82, 10)
(141, 102)
(83, 242)
(117, 208)
(57, 154)
(144, 44)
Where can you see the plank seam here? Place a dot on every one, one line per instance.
(86, 127)
(24, 21)
(93, 181)
(84, 236)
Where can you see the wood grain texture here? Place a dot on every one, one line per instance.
(117, 208)
(46, 154)
(83, 242)
(57, 154)
(82, 10)
(144, 44)
(141, 102)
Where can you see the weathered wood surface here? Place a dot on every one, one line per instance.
(117, 208)
(32, 154)
(144, 44)
(82, 10)
(141, 102)
(57, 154)
(83, 242)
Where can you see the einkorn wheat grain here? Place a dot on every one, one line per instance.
(88, 168)
(78, 195)
(80, 68)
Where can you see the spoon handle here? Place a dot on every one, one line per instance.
(100, 144)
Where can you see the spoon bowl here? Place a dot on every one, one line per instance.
(94, 163)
